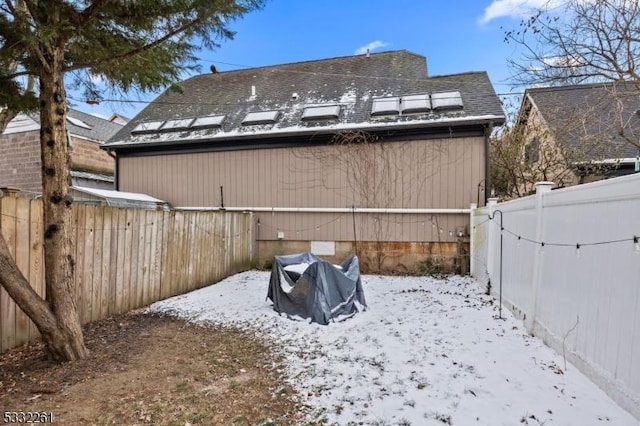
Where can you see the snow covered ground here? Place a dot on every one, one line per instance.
(426, 352)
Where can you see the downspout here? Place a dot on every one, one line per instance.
(115, 168)
(487, 175)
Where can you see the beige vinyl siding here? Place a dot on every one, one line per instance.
(440, 173)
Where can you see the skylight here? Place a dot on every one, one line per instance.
(261, 117)
(78, 123)
(321, 112)
(446, 100)
(385, 106)
(416, 103)
(208, 121)
(147, 127)
(177, 124)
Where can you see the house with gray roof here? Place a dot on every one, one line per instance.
(594, 127)
(365, 154)
(20, 165)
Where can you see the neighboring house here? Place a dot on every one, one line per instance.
(363, 154)
(595, 128)
(20, 164)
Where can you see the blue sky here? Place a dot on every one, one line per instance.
(455, 36)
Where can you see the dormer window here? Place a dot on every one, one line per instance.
(147, 127)
(210, 121)
(177, 124)
(415, 103)
(321, 112)
(261, 117)
(446, 100)
(386, 106)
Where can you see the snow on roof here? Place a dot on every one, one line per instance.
(274, 130)
(105, 193)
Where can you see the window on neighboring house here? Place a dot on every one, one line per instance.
(532, 151)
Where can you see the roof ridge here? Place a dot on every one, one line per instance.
(311, 61)
(456, 74)
(577, 86)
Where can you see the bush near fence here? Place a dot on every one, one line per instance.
(125, 258)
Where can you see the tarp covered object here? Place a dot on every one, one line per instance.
(322, 292)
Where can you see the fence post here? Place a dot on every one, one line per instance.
(541, 189)
(491, 239)
(472, 242)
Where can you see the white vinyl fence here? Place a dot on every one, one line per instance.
(567, 262)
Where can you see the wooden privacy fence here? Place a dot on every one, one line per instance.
(125, 258)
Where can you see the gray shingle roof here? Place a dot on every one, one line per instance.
(351, 82)
(587, 117)
(101, 129)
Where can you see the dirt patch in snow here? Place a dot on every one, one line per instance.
(147, 369)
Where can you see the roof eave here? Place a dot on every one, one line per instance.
(495, 120)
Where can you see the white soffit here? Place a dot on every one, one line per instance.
(261, 117)
(208, 121)
(416, 103)
(382, 106)
(148, 126)
(177, 124)
(320, 112)
(444, 100)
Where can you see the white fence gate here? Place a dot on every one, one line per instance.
(569, 266)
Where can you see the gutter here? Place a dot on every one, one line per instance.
(326, 210)
(289, 132)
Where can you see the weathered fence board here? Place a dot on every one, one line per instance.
(124, 258)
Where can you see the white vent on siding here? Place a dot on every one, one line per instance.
(208, 121)
(261, 117)
(446, 100)
(385, 106)
(177, 124)
(147, 127)
(416, 103)
(321, 112)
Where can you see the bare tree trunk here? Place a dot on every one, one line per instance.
(68, 344)
(30, 302)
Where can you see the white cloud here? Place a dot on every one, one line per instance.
(370, 47)
(515, 8)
